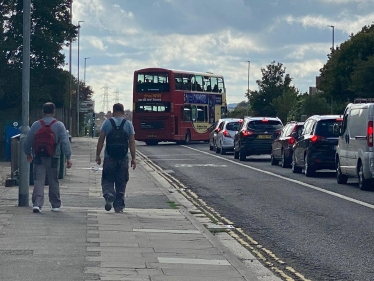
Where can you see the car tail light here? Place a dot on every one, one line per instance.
(217, 130)
(264, 120)
(291, 141)
(246, 133)
(370, 134)
(226, 134)
(316, 138)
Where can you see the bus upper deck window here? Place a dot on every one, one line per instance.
(207, 86)
(221, 86)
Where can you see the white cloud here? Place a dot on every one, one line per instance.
(96, 43)
(123, 36)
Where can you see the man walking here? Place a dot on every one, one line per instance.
(119, 135)
(42, 147)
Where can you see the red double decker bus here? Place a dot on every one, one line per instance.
(177, 106)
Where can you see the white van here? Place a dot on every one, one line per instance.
(355, 152)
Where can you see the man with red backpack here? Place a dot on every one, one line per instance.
(43, 147)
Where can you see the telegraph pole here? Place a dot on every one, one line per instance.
(24, 169)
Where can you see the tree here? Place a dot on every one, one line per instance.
(50, 32)
(349, 70)
(285, 103)
(271, 86)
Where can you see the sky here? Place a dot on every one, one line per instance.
(118, 37)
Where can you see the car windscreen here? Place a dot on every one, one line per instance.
(233, 126)
(326, 128)
(271, 125)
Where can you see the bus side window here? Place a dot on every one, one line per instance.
(193, 83)
(201, 113)
(199, 82)
(221, 86)
(186, 113)
(178, 82)
(187, 82)
(207, 85)
(215, 83)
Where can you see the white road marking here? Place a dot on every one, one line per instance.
(166, 159)
(198, 165)
(291, 180)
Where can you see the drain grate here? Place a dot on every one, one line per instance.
(17, 252)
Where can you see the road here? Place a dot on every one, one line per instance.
(322, 230)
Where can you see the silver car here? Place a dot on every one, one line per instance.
(225, 135)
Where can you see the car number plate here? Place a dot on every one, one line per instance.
(264, 137)
(151, 136)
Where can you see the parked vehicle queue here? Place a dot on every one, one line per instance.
(308, 146)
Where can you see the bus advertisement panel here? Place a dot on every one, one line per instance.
(177, 106)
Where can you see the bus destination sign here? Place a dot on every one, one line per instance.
(151, 97)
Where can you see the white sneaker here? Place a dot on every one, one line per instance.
(55, 209)
(36, 209)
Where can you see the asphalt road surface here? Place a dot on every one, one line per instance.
(323, 230)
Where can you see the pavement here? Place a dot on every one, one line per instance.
(160, 236)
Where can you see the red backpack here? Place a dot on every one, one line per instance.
(45, 142)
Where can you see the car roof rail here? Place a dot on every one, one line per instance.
(363, 100)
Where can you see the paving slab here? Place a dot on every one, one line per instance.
(149, 241)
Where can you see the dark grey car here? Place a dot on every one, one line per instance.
(255, 136)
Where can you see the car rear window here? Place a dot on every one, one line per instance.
(233, 126)
(265, 125)
(325, 128)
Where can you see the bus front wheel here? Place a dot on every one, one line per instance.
(188, 137)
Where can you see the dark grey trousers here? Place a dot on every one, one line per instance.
(46, 167)
(114, 179)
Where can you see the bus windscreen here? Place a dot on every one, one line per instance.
(152, 106)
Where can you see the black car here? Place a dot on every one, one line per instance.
(281, 148)
(255, 136)
(315, 148)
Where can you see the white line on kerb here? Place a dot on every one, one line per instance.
(291, 180)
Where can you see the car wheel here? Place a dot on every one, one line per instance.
(340, 178)
(273, 161)
(295, 169)
(363, 183)
(284, 162)
(308, 171)
(236, 155)
(188, 137)
(223, 151)
(216, 148)
(242, 156)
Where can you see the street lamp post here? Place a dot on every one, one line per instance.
(332, 49)
(70, 68)
(249, 64)
(79, 27)
(24, 168)
(333, 31)
(84, 80)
